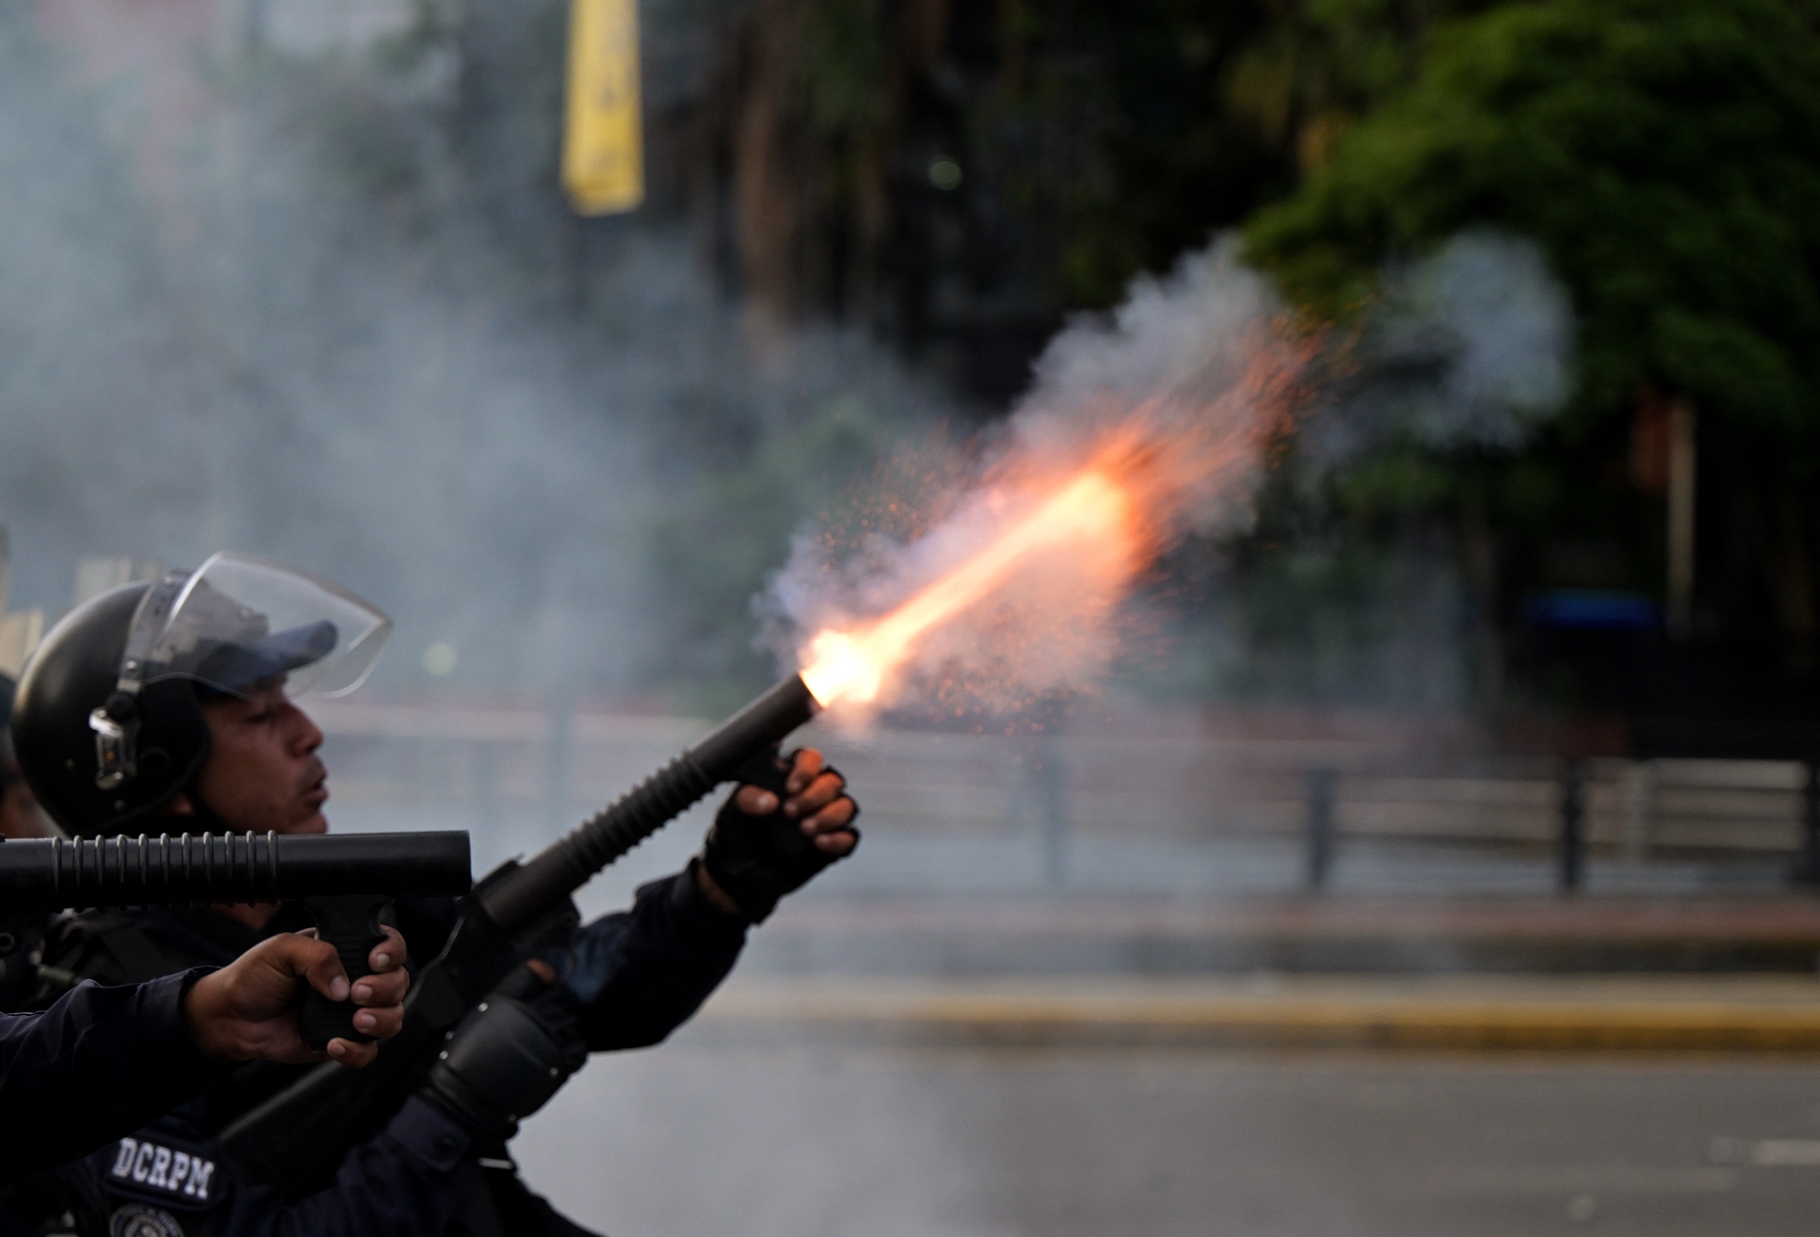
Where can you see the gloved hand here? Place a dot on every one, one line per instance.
(788, 821)
(503, 1062)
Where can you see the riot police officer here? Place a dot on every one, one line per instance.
(175, 703)
(100, 1062)
(143, 1048)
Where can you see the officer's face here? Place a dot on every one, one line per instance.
(262, 772)
(19, 814)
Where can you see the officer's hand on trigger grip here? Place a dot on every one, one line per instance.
(503, 1062)
(786, 822)
(248, 1008)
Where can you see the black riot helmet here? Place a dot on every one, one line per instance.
(108, 723)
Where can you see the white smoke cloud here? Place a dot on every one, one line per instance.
(1204, 348)
(1176, 393)
(1470, 347)
(1198, 373)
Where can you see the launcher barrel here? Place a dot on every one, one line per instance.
(566, 865)
(210, 868)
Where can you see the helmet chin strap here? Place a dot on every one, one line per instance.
(206, 819)
(116, 722)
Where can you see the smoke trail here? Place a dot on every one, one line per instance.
(1180, 395)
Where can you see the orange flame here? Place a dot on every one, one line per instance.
(1094, 517)
(852, 666)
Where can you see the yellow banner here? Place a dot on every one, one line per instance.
(603, 166)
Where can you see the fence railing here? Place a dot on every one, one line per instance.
(1180, 784)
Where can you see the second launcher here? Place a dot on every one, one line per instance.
(344, 882)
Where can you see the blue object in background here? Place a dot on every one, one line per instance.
(1592, 609)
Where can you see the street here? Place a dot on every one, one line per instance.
(700, 1139)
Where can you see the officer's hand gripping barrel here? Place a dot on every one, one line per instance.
(345, 882)
(296, 1139)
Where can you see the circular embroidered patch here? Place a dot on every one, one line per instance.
(137, 1221)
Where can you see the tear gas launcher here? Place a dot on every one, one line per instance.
(345, 882)
(296, 1139)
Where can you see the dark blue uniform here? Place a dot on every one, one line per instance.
(628, 979)
(98, 1063)
(167, 1179)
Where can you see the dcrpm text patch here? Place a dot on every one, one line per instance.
(160, 1172)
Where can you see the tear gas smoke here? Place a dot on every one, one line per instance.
(1139, 431)
(1469, 347)
(306, 338)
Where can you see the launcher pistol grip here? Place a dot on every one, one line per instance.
(351, 923)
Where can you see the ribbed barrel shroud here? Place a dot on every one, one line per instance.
(564, 866)
(206, 868)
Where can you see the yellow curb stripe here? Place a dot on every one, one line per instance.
(1383, 1021)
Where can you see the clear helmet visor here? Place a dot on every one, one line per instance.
(239, 623)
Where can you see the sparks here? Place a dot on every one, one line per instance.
(854, 666)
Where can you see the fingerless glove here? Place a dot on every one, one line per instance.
(758, 859)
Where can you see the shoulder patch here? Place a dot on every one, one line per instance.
(134, 1220)
(159, 1170)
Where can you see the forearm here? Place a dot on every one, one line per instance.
(403, 1183)
(640, 974)
(98, 1064)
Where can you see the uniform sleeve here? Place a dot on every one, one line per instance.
(403, 1183)
(637, 975)
(97, 1064)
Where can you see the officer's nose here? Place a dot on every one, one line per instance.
(306, 736)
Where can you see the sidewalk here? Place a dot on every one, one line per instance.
(985, 935)
(1754, 1013)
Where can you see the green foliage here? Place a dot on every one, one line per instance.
(1528, 491)
(1318, 65)
(1118, 139)
(1666, 154)
(846, 67)
(1397, 481)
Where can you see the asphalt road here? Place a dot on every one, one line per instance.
(701, 1140)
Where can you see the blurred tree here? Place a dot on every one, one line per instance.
(1316, 66)
(955, 178)
(1667, 156)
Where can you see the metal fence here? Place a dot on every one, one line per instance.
(1275, 811)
